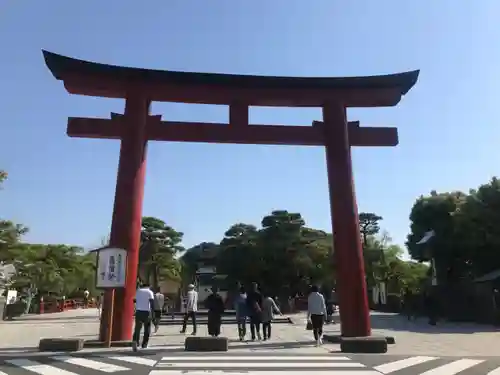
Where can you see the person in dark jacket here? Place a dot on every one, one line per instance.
(410, 304)
(431, 307)
(215, 306)
(254, 310)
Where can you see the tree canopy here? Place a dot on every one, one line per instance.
(3, 177)
(466, 241)
(286, 256)
(160, 245)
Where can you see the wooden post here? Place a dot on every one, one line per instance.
(109, 318)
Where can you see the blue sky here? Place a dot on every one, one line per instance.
(63, 188)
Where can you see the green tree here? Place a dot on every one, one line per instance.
(58, 270)
(160, 244)
(477, 231)
(284, 255)
(10, 235)
(3, 177)
(237, 250)
(373, 247)
(369, 225)
(438, 212)
(283, 250)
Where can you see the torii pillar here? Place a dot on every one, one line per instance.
(127, 210)
(353, 300)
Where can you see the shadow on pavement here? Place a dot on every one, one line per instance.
(18, 350)
(36, 318)
(152, 351)
(395, 322)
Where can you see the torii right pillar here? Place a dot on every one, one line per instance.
(351, 283)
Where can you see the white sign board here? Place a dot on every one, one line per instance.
(11, 296)
(111, 268)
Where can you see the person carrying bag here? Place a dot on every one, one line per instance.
(316, 313)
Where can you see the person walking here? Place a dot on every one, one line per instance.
(316, 313)
(430, 302)
(215, 306)
(191, 309)
(99, 302)
(269, 307)
(409, 304)
(86, 296)
(240, 305)
(144, 306)
(158, 305)
(254, 306)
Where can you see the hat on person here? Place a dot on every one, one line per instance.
(190, 286)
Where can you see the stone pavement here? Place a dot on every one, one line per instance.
(412, 338)
(444, 339)
(26, 331)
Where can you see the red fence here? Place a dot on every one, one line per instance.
(53, 306)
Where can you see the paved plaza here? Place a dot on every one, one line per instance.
(446, 349)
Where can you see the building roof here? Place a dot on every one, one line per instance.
(63, 67)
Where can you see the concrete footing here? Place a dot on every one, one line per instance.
(60, 345)
(371, 344)
(335, 339)
(206, 344)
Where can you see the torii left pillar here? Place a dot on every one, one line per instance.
(351, 283)
(127, 212)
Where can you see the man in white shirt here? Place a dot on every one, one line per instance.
(158, 305)
(144, 306)
(191, 309)
(316, 313)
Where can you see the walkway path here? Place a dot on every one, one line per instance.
(412, 338)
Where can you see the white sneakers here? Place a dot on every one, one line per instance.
(319, 342)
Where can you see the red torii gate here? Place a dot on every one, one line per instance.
(139, 87)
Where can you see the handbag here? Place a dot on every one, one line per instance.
(309, 325)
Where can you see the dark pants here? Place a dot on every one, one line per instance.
(255, 321)
(192, 315)
(432, 311)
(242, 327)
(411, 312)
(266, 330)
(433, 317)
(157, 317)
(317, 322)
(214, 323)
(142, 318)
